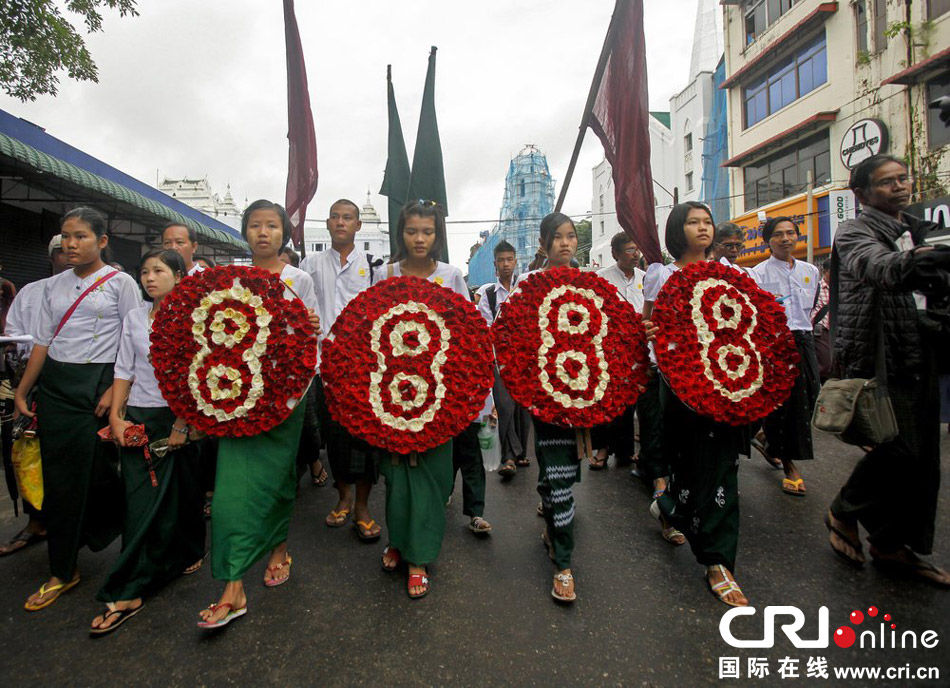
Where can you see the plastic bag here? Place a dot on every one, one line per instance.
(28, 467)
(489, 444)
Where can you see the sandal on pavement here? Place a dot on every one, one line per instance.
(726, 586)
(479, 526)
(567, 583)
(523, 461)
(794, 487)
(19, 541)
(669, 533)
(908, 563)
(121, 616)
(320, 479)
(335, 519)
(43, 591)
(418, 580)
(194, 567)
(540, 509)
(763, 449)
(394, 556)
(369, 531)
(508, 469)
(225, 620)
(858, 559)
(273, 581)
(596, 464)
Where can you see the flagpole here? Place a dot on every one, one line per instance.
(591, 97)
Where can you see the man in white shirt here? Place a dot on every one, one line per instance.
(339, 275)
(729, 242)
(795, 285)
(22, 320)
(514, 421)
(184, 240)
(616, 437)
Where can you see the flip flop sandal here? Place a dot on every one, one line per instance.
(396, 559)
(725, 587)
(225, 620)
(19, 541)
(194, 568)
(58, 589)
(365, 530)
(336, 519)
(763, 449)
(507, 470)
(855, 545)
(479, 526)
(596, 464)
(321, 479)
(274, 582)
(123, 616)
(564, 579)
(793, 487)
(917, 568)
(523, 462)
(418, 580)
(669, 533)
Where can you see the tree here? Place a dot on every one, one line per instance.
(37, 41)
(583, 242)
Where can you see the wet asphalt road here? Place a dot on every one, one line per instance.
(643, 615)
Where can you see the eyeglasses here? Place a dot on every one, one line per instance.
(632, 251)
(891, 182)
(735, 245)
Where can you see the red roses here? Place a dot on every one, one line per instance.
(230, 352)
(723, 343)
(570, 349)
(407, 365)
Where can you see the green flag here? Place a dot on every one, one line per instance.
(428, 176)
(396, 178)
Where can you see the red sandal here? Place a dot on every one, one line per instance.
(418, 580)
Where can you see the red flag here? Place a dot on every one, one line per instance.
(621, 119)
(302, 160)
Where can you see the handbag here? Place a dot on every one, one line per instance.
(134, 436)
(857, 410)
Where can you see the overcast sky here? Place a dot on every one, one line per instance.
(199, 89)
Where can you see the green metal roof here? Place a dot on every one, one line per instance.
(51, 165)
(662, 117)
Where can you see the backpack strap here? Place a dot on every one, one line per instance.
(492, 300)
(373, 264)
(72, 309)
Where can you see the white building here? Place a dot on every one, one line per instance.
(373, 236)
(198, 194)
(604, 222)
(813, 88)
(690, 109)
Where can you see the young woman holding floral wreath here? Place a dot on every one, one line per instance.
(416, 492)
(256, 482)
(72, 364)
(702, 498)
(164, 531)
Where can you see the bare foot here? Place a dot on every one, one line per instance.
(104, 621)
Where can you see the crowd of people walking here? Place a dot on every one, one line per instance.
(90, 374)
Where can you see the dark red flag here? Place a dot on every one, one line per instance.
(302, 160)
(621, 119)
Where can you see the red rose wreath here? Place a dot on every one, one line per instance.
(407, 365)
(723, 343)
(231, 354)
(570, 350)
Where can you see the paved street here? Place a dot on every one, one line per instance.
(643, 615)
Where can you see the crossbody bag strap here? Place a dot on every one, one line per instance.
(833, 302)
(72, 309)
(880, 356)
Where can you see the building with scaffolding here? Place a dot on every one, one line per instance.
(529, 196)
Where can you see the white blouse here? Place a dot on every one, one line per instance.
(132, 362)
(445, 275)
(91, 335)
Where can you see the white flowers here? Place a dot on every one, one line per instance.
(736, 303)
(580, 380)
(225, 381)
(408, 338)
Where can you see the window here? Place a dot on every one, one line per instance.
(760, 14)
(318, 247)
(689, 181)
(880, 24)
(937, 7)
(366, 246)
(602, 230)
(786, 173)
(793, 78)
(939, 135)
(861, 25)
(521, 188)
(688, 142)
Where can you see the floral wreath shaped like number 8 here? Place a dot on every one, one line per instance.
(232, 356)
(570, 349)
(407, 365)
(723, 344)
